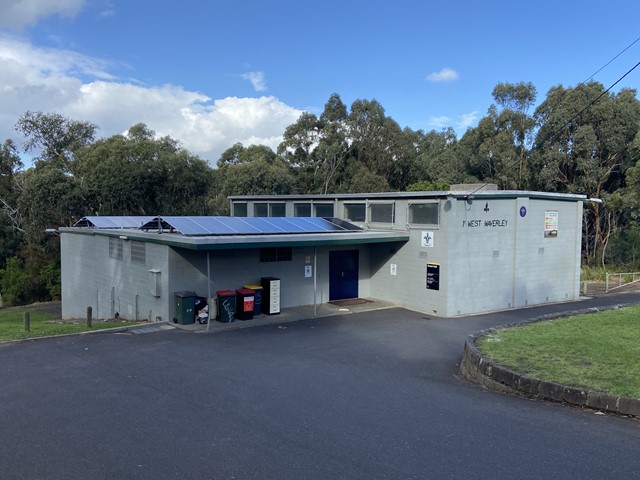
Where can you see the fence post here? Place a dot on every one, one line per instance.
(27, 321)
(89, 313)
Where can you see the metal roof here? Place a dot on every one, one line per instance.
(458, 194)
(219, 233)
(199, 226)
(112, 221)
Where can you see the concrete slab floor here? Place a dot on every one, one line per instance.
(287, 315)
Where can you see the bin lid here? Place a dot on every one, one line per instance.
(244, 291)
(253, 287)
(186, 293)
(225, 293)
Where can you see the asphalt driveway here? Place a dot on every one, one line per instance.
(362, 396)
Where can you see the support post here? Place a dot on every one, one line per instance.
(27, 321)
(209, 306)
(89, 315)
(315, 280)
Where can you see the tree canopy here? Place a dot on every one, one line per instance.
(579, 139)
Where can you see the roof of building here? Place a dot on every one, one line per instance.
(457, 194)
(218, 233)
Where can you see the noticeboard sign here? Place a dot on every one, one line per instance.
(433, 276)
(550, 224)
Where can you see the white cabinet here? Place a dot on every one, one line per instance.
(270, 295)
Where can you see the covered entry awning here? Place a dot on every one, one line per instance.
(220, 233)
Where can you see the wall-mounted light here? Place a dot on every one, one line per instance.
(123, 237)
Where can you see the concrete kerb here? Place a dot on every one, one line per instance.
(486, 372)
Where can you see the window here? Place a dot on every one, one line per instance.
(356, 212)
(381, 212)
(423, 214)
(261, 209)
(116, 246)
(240, 209)
(138, 252)
(323, 210)
(301, 209)
(276, 254)
(277, 210)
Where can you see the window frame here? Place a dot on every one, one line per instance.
(346, 205)
(305, 204)
(265, 204)
(277, 204)
(380, 203)
(246, 209)
(323, 204)
(411, 224)
(276, 254)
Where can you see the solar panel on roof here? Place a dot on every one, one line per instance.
(192, 226)
(112, 221)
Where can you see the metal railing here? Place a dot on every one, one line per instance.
(617, 280)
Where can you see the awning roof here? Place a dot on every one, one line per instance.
(224, 233)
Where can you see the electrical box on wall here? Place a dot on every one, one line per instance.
(155, 282)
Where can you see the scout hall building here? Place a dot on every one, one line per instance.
(450, 253)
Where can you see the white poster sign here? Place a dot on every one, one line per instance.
(308, 272)
(550, 224)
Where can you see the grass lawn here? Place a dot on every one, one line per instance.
(42, 324)
(600, 351)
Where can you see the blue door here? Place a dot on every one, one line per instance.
(343, 274)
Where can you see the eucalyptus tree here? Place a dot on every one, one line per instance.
(489, 152)
(497, 149)
(140, 174)
(254, 170)
(516, 100)
(438, 160)
(317, 148)
(10, 187)
(54, 136)
(582, 146)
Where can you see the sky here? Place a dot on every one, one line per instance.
(210, 73)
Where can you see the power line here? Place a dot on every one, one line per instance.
(610, 61)
(592, 102)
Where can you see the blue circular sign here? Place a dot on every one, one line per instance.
(523, 211)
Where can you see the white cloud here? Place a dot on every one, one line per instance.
(444, 75)
(108, 10)
(440, 122)
(17, 14)
(460, 125)
(466, 120)
(257, 80)
(50, 80)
